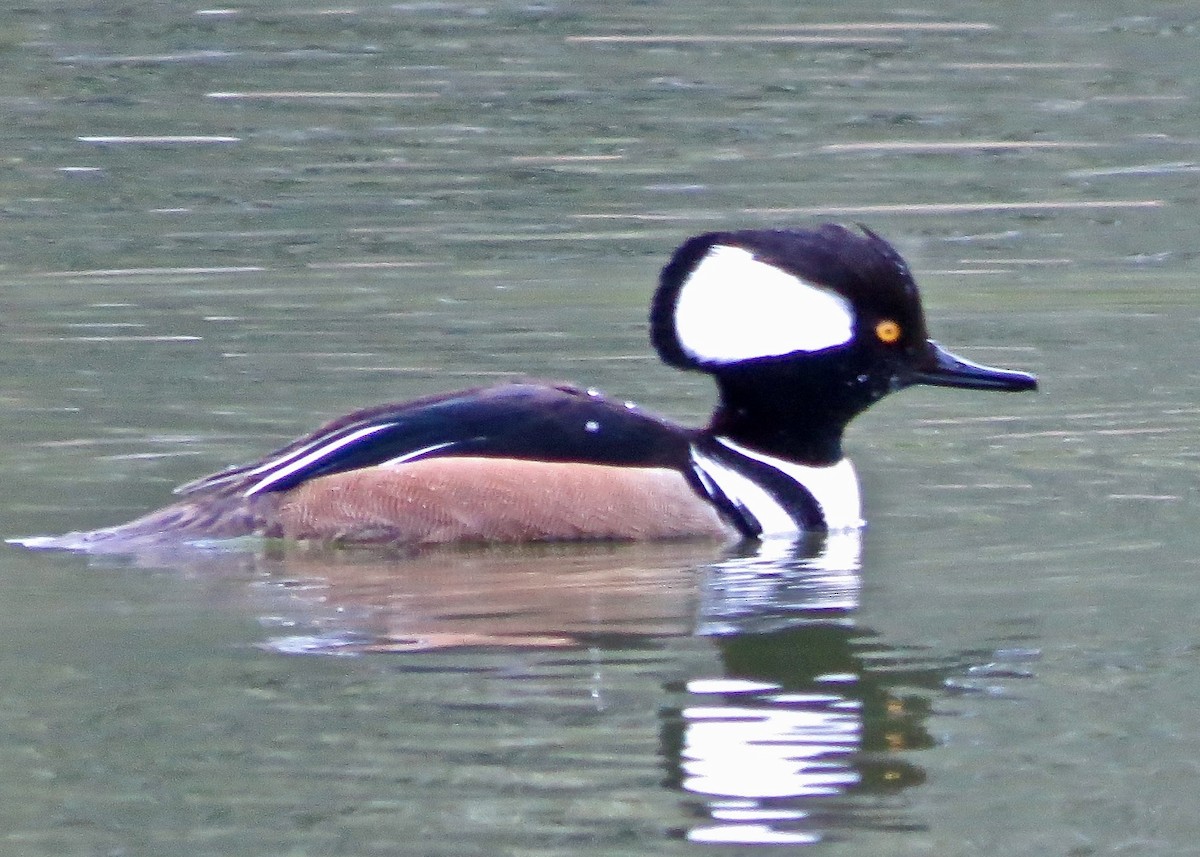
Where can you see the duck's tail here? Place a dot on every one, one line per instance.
(207, 517)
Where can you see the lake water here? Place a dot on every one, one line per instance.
(223, 225)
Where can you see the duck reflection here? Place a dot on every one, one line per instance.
(806, 707)
(780, 719)
(797, 723)
(512, 598)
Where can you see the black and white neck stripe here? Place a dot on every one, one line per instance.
(770, 497)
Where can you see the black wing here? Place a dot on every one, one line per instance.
(545, 423)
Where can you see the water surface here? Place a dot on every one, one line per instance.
(223, 225)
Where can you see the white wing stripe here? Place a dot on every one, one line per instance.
(316, 455)
(416, 453)
(284, 459)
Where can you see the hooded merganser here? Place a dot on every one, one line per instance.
(802, 330)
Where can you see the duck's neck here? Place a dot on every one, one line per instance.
(801, 425)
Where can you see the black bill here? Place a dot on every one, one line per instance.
(943, 369)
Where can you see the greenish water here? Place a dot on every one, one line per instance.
(223, 225)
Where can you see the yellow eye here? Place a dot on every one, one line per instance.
(888, 331)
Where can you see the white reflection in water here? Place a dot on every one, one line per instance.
(751, 834)
(771, 752)
(750, 743)
(780, 580)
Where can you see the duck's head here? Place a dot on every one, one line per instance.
(802, 329)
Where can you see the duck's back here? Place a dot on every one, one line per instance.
(515, 462)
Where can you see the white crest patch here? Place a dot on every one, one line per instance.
(733, 307)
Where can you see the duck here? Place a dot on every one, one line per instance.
(800, 329)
